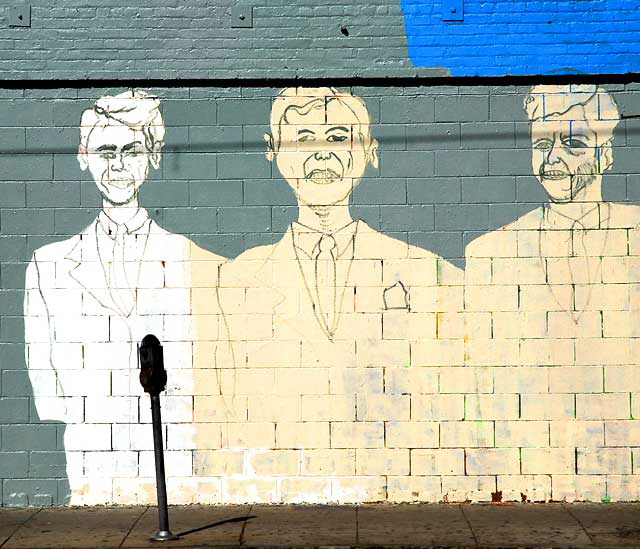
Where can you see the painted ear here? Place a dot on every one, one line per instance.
(271, 152)
(373, 154)
(606, 157)
(156, 154)
(82, 157)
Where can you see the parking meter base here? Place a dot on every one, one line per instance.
(164, 535)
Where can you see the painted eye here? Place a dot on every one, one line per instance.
(336, 138)
(304, 138)
(543, 145)
(574, 143)
(108, 156)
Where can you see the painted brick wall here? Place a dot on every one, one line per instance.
(485, 382)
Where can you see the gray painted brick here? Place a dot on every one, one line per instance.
(436, 190)
(23, 112)
(165, 193)
(407, 110)
(369, 214)
(252, 139)
(14, 410)
(626, 160)
(502, 214)
(459, 163)
(15, 383)
(510, 162)
(488, 189)
(282, 217)
(12, 140)
(243, 111)
(66, 168)
(69, 113)
(58, 140)
(461, 108)
(189, 166)
(218, 192)
(507, 107)
(523, 135)
(11, 302)
(380, 191)
(268, 192)
(57, 194)
(243, 166)
(614, 188)
(26, 221)
(226, 245)
(245, 219)
(11, 356)
(30, 492)
(631, 129)
(215, 138)
(13, 194)
(200, 220)
(89, 194)
(12, 275)
(28, 437)
(13, 248)
(14, 464)
(462, 217)
(47, 465)
(426, 137)
(406, 164)
(487, 135)
(528, 189)
(407, 218)
(176, 139)
(390, 136)
(71, 221)
(188, 112)
(26, 167)
(252, 240)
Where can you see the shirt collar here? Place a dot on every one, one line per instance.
(594, 218)
(131, 226)
(307, 239)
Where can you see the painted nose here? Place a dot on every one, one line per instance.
(118, 163)
(553, 156)
(322, 155)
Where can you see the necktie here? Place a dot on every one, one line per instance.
(325, 283)
(119, 283)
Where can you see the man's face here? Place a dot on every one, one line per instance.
(118, 160)
(322, 154)
(564, 155)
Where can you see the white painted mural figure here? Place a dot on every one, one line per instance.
(561, 280)
(91, 298)
(315, 319)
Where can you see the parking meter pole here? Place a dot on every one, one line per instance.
(153, 378)
(161, 486)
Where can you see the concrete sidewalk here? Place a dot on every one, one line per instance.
(445, 525)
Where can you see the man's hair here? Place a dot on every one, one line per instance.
(135, 108)
(303, 100)
(589, 102)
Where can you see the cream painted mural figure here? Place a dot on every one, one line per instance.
(317, 320)
(91, 298)
(558, 277)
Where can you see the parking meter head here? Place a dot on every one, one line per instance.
(153, 376)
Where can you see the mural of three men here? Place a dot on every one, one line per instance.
(293, 358)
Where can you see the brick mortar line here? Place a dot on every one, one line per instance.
(19, 526)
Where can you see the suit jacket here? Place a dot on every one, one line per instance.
(81, 347)
(552, 294)
(387, 301)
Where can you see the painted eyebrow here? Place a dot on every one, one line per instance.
(106, 148)
(305, 130)
(341, 128)
(130, 146)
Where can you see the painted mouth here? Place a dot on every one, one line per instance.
(554, 175)
(323, 177)
(120, 183)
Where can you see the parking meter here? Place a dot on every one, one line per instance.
(153, 378)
